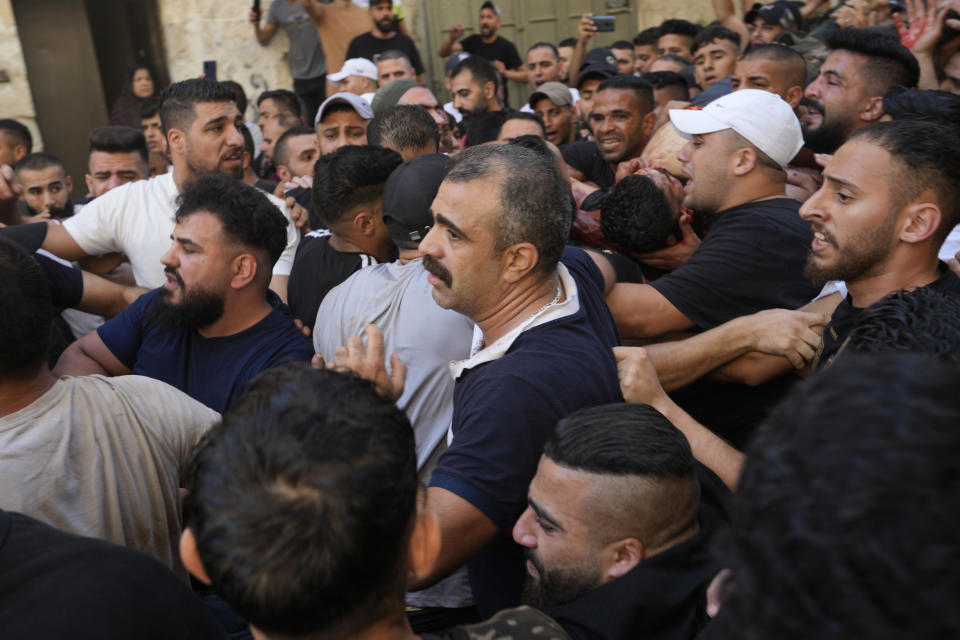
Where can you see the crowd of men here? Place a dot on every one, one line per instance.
(373, 366)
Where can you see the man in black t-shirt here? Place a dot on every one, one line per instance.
(489, 45)
(384, 36)
(753, 256)
(890, 196)
(57, 585)
(347, 196)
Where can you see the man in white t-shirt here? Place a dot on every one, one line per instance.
(200, 120)
(99, 457)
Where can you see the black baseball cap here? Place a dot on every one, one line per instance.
(598, 63)
(407, 197)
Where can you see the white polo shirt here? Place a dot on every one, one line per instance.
(137, 220)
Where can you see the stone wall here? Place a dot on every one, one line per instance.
(198, 30)
(15, 99)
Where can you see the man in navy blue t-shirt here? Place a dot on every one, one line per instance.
(542, 349)
(214, 324)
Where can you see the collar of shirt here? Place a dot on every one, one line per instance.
(481, 354)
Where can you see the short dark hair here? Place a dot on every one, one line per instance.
(840, 530)
(349, 177)
(534, 201)
(544, 45)
(890, 64)
(17, 133)
(119, 140)
(179, 100)
(678, 27)
(919, 321)
(522, 115)
(240, 96)
(664, 79)
(27, 320)
(480, 69)
(303, 501)
(791, 61)
(928, 155)
(484, 128)
(635, 215)
(567, 42)
(640, 87)
(622, 44)
(647, 37)
(712, 33)
(281, 146)
(941, 107)
(406, 126)
(675, 57)
(393, 54)
(246, 215)
(38, 162)
(636, 443)
(150, 107)
(286, 100)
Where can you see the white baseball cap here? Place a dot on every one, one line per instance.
(761, 117)
(354, 67)
(361, 106)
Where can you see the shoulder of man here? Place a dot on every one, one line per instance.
(517, 624)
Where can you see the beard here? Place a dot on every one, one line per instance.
(235, 171)
(557, 586)
(432, 265)
(387, 25)
(199, 307)
(827, 137)
(864, 252)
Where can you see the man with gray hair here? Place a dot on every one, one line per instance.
(541, 350)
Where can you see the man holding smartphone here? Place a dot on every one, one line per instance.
(308, 64)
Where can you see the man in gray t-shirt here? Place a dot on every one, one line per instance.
(308, 64)
(398, 299)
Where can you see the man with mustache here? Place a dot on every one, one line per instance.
(541, 350)
(385, 36)
(848, 92)
(214, 324)
(201, 120)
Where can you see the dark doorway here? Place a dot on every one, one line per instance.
(77, 53)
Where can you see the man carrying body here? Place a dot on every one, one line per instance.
(214, 325)
(308, 63)
(201, 120)
(348, 197)
(385, 36)
(488, 44)
(622, 119)
(541, 350)
(888, 200)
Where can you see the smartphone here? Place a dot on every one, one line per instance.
(210, 69)
(604, 24)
